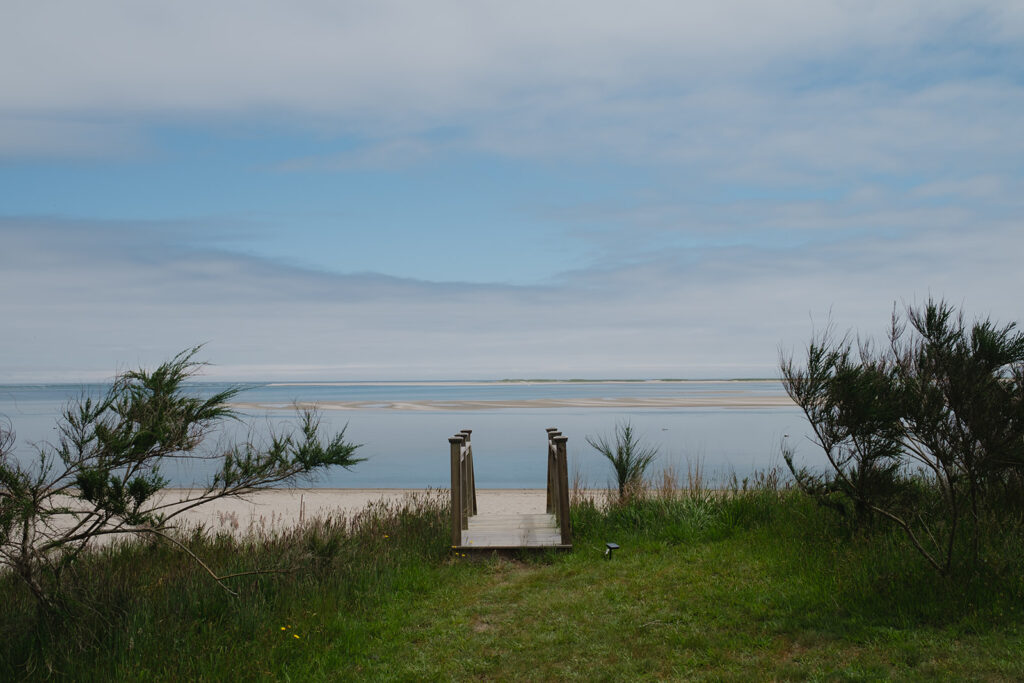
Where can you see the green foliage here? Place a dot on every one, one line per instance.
(852, 403)
(628, 457)
(286, 457)
(103, 476)
(927, 433)
(739, 584)
(151, 613)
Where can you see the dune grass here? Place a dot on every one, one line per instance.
(750, 585)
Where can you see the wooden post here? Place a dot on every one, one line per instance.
(550, 503)
(456, 454)
(472, 472)
(563, 490)
(464, 487)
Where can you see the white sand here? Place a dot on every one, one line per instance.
(283, 508)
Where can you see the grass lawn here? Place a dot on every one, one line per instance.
(737, 608)
(750, 588)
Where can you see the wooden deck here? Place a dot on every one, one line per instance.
(508, 532)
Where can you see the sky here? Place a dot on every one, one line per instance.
(412, 190)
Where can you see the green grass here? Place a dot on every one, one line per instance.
(725, 593)
(744, 587)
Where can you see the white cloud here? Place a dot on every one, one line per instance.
(78, 308)
(23, 136)
(797, 157)
(519, 77)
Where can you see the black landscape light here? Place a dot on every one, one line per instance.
(609, 549)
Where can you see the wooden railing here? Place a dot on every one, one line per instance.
(463, 484)
(558, 483)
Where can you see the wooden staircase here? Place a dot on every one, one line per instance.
(492, 532)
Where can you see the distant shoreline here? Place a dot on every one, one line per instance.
(400, 383)
(521, 382)
(717, 400)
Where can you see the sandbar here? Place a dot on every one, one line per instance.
(710, 400)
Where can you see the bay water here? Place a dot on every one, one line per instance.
(407, 447)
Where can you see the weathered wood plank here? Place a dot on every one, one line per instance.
(456, 450)
(512, 531)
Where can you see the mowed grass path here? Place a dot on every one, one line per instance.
(755, 603)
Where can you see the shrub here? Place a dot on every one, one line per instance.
(103, 476)
(927, 433)
(628, 457)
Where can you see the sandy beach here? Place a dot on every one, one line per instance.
(279, 509)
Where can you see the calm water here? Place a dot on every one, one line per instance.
(410, 448)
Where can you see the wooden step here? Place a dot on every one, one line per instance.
(505, 532)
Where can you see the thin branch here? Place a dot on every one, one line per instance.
(910, 534)
(184, 548)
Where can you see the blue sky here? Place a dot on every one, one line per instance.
(410, 190)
